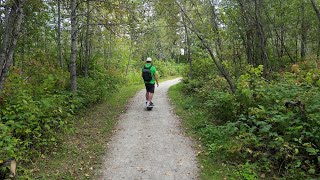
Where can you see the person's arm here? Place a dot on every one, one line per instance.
(156, 78)
(142, 72)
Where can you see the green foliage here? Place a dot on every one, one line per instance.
(221, 105)
(267, 126)
(98, 85)
(203, 69)
(281, 137)
(169, 68)
(247, 171)
(83, 150)
(218, 141)
(30, 115)
(37, 105)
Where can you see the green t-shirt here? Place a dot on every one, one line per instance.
(153, 71)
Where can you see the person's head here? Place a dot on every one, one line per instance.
(149, 60)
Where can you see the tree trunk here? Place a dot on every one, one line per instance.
(303, 32)
(23, 53)
(261, 36)
(283, 48)
(59, 35)
(220, 67)
(297, 39)
(110, 54)
(9, 39)
(73, 55)
(189, 58)
(248, 39)
(282, 32)
(128, 64)
(218, 64)
(215, 27)
(188, 49)
(80, 52)
(316, 9)
(87, 40)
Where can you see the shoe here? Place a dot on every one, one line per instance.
(151, 104)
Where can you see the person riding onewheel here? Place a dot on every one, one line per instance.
(149, 75)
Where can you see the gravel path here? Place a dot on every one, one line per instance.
(150, 145)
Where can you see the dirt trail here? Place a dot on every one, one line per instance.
(150, 145)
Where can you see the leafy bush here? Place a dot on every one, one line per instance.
(97, 86)
(164, 70)
(168, 69)
(203, 69)
(276, 123)
(277, 120)
(30, 116)
(222, 106)
(36, 105)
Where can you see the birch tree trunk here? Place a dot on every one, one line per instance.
(9, 38)
(73, 55)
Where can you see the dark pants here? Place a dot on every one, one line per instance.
(150, 88)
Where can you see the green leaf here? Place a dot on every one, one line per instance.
(311, 151)
(312, 171)
(298, 164)
(27, 131)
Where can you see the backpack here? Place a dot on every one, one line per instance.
(146, 74)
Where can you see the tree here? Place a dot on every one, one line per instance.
(59, 34)
(303, 31)
(74, 39)
(317, 11)
(13, 19)
(188, 46)
(87, 39)
(201, 36)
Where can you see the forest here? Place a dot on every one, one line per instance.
(250, 88)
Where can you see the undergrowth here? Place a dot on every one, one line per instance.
(36, 106)
(267, 129)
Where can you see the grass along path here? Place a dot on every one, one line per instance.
(150, 145)
(192, 118)
(80, 154)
